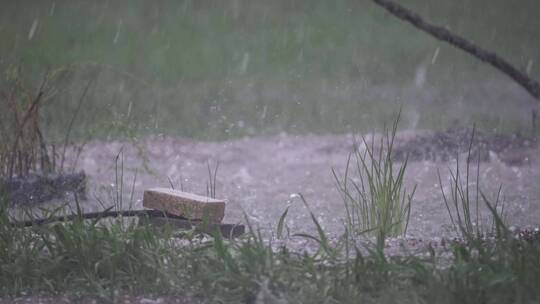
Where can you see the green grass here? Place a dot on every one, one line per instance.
(465, 199)
(375, 200)
(82, 258)
(212, 70)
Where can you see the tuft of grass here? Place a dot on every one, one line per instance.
(376, 202)
(25, 148)
(81, 256)
(464, 202)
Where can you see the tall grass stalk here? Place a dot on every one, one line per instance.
(212, 180)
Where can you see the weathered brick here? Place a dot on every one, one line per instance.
(188, 205)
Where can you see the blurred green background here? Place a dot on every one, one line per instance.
(220, 69)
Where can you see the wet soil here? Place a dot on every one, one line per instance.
(259, 176)
(447, 145)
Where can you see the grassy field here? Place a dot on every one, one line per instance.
(215, 69)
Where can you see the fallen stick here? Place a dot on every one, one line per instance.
(153, 217)
(226, 230)
(94, 215)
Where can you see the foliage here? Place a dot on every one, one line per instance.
(374, 195)
(107, 259)
(463, 203)
(23, 148)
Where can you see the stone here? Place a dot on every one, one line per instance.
(184, 204)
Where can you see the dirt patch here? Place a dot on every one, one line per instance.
(260, 176)
(513, 150)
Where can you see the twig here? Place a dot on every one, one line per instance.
(532, 86)
(97, 215)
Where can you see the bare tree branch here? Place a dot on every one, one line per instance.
(532, 86)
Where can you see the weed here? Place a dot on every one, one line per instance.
(464, 202)
(212, 180)
(24, 149)
(376, 202)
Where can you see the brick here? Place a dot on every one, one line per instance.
(188, 205)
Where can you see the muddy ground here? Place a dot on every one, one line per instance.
(261, 175)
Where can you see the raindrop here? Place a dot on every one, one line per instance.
(435, 55)
(117, 35)
(529, 66)
(245, 63)
(236, 9)
(33, 29)
(129, 109)
(301, 55)
(420, 77)
(53, 8)
(294, 195)
(263, 114)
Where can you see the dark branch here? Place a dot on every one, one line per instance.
(96, 215)
(154, 217)
(532, 86)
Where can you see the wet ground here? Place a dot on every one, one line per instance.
(261, 175)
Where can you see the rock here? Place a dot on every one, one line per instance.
(188, 205)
